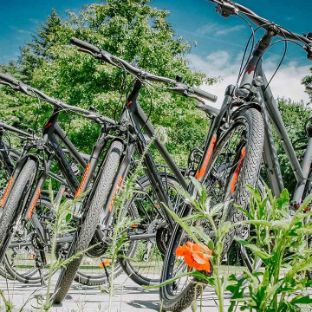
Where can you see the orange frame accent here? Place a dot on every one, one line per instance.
(202, 170)
(6, 192)
(33, 204)
(117, 187)
(83, 181)
(236, 173)
(105, 263)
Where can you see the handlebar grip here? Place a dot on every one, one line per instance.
(204, 94)
(85, 45)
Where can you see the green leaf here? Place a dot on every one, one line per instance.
(68, 217)
(302, 300)
(263, 255)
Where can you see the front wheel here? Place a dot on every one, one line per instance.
(235, 163)
(90, 221)
(21, 259)
(17, 195)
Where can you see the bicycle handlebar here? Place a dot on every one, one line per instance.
(28, 90)
(20, 132)
(118, 62)
(227, 8)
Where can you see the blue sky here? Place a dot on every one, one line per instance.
(217, 42)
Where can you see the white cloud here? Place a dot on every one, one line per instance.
(217, 30)
(207, 29)
(225, 67)
(229, 30)
(23, 31)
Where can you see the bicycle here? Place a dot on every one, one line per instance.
(22, 245)
(36, 160)
(252, 93)
(115, 168)
(142, 200)
(9, 156)
(52, 134)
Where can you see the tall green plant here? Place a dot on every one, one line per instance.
(280, 239)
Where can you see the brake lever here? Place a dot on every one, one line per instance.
(107, 56)
(309, 36)
(308, 48)
(5, 83)
(181, 90)
(16, 87)
(197, 98)
(89, 52)
(102, 55)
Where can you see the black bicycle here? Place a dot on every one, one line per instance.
(132, 130)
(32, 231)
(22, 259)
(245, 127)
(240, 135)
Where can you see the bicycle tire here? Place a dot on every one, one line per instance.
(90, 220)
(253, 120)
(102, 279)
(17, 196)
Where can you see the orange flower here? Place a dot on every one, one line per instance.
(196, 256)
(105, 263)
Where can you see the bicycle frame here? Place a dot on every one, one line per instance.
(138, 123)
(53, 134)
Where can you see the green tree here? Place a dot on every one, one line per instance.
(34, 53)
(132, 30)
(295, 117)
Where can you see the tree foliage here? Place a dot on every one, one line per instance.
(139, 33)
(132, 30)
(295, 117)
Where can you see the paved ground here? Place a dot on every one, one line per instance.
(128, 297)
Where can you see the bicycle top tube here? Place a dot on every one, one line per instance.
(227, 8)
(28, 90)
(141, 74)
